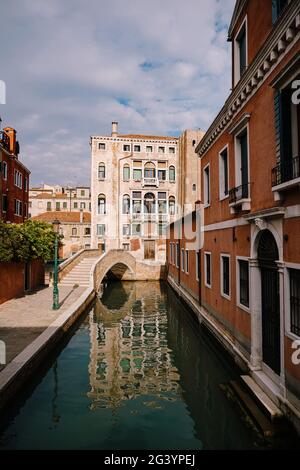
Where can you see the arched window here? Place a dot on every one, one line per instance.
(126, 173)
(172, 173)
(101, 204)
(172, 205)
(149, 203)
(126, 204)
(149, 170)
(101, 171)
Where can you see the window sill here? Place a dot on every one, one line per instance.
(223, 198)
(292, 336)
(243, 307)
(244, 204)
(208, 286)
(285, 187)
(226, 297)
(206, 206)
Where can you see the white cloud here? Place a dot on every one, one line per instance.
(71, 67)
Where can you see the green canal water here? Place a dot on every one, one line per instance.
(137, 372)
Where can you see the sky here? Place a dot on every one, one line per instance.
(71, 67)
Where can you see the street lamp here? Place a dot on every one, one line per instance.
(56, 224)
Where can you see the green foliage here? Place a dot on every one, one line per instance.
(24, 242)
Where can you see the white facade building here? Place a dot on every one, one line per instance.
(137, 183)
(58, 198)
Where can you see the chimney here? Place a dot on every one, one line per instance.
(11, 133)
(114, 129)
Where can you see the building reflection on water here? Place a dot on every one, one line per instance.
(129, 346)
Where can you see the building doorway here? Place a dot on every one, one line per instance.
(268, 255)
(149, 249)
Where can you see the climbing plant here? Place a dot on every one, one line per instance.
(24, 242)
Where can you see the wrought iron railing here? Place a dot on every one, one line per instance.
(239, 193)
(286, 171)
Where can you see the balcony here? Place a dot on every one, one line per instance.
(239, 198)
(285, 175)
(150, 182)
(4, 140)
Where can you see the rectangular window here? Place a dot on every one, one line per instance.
(4, 170)
(182, 260)
(26, 183)
(223, 173)
(126, 246)
(136, 230)
(225, 275)
(207, 258)
(187, 261)
(87, 231)
(295, 300)
(177, 255)
(18, 207)
(18, 179)
(240, 52)
(162, 175)
(101, 146)
(126, 148)
(277, 8)
(74, 232)
(198, 265)
(4, 203)
(149, 149)
(171, 149)
(162, 229)
(126, 230)
(137, 174)
(171, 253)
(65, 205)
(49, 208)
(244, 282)
(57, 206)
(75, 205)
(161, 149)
(206, 186)
(137, 148)
(82, 205)
(100, 230)
(82, 192)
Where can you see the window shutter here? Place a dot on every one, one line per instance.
(286, 126)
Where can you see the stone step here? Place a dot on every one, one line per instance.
(76, 278)
(251, 408)
(270, 408)
(71, 284)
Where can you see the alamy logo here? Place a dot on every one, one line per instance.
(296, 354)
(296, 94)
(2, 353)
(2, 92)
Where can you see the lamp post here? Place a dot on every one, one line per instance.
(55, 306)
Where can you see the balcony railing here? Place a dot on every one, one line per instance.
(4, 140)
(286, 171)
(239, 193)
(150, 182)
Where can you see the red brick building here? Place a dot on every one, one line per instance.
(14, 184)
(249, 263)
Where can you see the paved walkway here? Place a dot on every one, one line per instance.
(23, 319)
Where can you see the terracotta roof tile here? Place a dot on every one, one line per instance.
(63, 217)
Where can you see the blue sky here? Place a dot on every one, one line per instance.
(72, 66)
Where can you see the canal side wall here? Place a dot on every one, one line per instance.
(19, 370)
(12, 279)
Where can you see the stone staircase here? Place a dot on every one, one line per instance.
(80, 274)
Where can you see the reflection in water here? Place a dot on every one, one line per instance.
(138, 373)
(129, 349)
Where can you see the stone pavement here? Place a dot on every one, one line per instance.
(25, 318)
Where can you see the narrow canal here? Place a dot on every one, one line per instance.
(137, 373)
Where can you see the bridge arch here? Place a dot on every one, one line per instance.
(116, 264)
